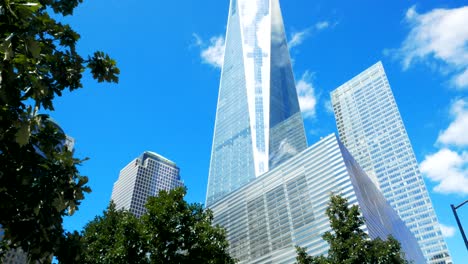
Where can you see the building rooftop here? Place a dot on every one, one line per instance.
(157, 156)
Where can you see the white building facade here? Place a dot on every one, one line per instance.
(143, 177)
(286, 207)
(370, 126)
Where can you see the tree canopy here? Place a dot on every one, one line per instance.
(348, 243)
(39, 179)
(171, 231)
(115, 237)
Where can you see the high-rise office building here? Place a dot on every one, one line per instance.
(286, 207)
(258, 120)
(143, 177)
(265, 186)
(370, 126)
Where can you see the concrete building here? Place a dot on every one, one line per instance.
(143, 177)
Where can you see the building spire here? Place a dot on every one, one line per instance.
(258, 120)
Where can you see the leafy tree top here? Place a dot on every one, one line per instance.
(348, 243)
(171, 231)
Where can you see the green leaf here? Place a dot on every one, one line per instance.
(37, 210)
(103, 67)
(6, 48)
(23, 134)
(34, 48)
(33, 7)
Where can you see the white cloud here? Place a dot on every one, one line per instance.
(297, 38)
(198, 40)
(322, 25)
(214, 53)
(328, 107)
(440, 36)
(211, 53)
(461, 80)
(448, 169)
(457, 132)
(447, 231)
(306, 94)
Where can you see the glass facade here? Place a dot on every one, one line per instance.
(370, 126)
(286, 206)
(143, 177)
(258, 121)
(265, 187)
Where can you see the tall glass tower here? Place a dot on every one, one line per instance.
(371, 128)
(266, 188)
(258, 120)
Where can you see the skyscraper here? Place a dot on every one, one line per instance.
(265, 186)
(143, 177)
(370, 126)
(258, 121)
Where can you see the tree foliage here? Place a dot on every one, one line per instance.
(115, 237)
(348, 243)
(303, 258)
(39, 179)
(171, 231)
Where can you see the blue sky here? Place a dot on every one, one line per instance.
(165, 102)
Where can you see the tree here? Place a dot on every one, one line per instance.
(179, 232)
(348, 243)
(39, 179)
(171, 231)
(388, 251)
(303, 258)
(116, 237)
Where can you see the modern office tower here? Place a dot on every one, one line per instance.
(370, 126)
(265, 186)
(286, 207)
(258, 120)
(143, 177)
